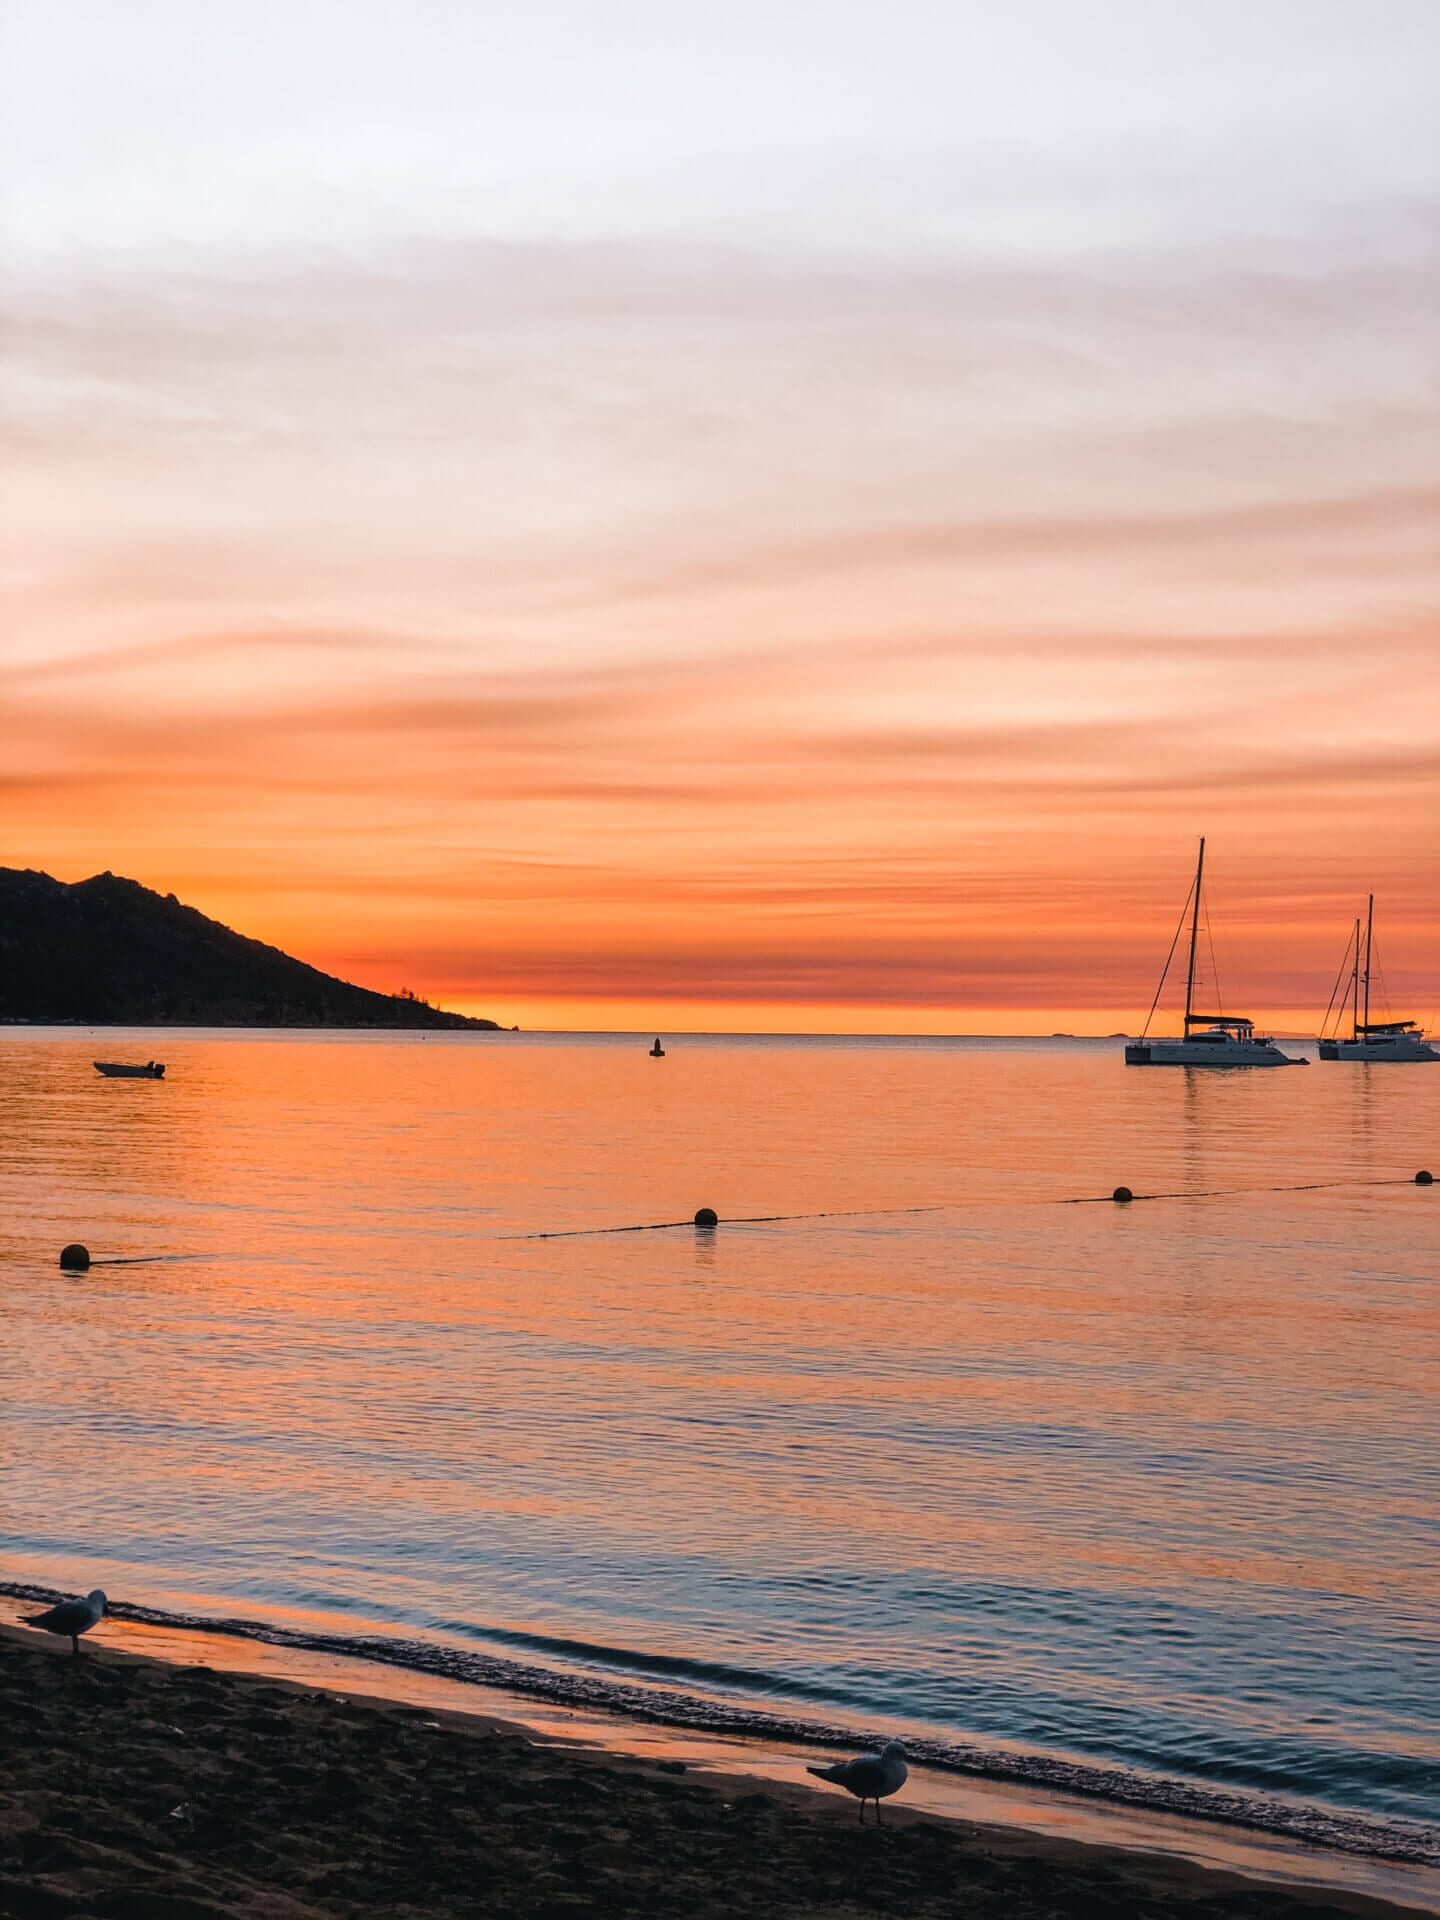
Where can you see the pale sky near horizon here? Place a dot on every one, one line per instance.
(736, 517)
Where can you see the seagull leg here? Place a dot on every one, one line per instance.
(878, 1820)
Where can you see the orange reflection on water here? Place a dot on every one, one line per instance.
(1147, 1482)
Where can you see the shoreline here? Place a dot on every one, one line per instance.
(1183, 1860)
(200, 1794)
(393, 1662)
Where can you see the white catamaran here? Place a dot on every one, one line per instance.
(1208, 1039)
(1369, 1039)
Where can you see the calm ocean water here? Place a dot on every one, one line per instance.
(1149, 1494)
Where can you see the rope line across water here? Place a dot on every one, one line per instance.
(1211, 1193)
(948, 1206)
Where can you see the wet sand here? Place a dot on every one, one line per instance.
(135, 1790)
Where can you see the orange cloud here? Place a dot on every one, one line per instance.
(613, 628)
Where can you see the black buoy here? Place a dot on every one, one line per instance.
(1424, 1178)
(1122, 1194)
(75, 1258)
(707, 1217)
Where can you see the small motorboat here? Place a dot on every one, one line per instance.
(125, 1070)
(657, 1052)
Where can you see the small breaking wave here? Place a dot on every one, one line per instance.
(1410, 1842)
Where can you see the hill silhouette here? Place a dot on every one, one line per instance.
(109, 952)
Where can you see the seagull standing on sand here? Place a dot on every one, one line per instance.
(72, 1617)
(873, 1776)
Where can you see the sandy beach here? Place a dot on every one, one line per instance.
(132, 1788)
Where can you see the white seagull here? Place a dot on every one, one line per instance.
(872, 1776)
(72, 1617)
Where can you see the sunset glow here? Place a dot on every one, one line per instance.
(698, 530)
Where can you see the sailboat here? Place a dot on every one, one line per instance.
(1370, 1039)
(1208, 1039)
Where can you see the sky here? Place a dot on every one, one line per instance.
(749, 518)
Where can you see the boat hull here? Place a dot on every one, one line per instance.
(1208, 1054)
(1400, 1049)
(118, 1070)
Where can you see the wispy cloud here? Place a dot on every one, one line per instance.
(678, 617)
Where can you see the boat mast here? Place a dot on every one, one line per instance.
(1369, 933)
(1355, 987)
(1194, 935)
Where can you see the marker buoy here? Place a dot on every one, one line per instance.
(1424, 1178)
(707, 1217)
(75, 1258)
(1122, 1194)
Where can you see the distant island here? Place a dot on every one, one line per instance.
(107, 952)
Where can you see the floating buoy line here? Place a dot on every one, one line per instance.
(707, 1219)
(77, 1258)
